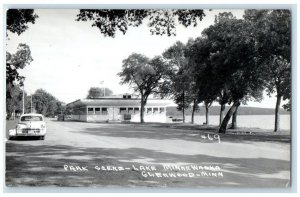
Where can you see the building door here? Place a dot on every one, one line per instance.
(113, 113)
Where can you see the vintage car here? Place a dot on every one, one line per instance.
(33, 125)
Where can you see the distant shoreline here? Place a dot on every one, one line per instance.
(215, 110)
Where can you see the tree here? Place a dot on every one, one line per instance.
(46, 104)
(13, 63)
(181, 78)
(18, 19)
(95, 92)
(279, 80)
(287, 92)
(272, 30)
(146, 76)
(17, 22)
(60, 108)
(181, 90)
(232, 60)
(17, 61)
(205, 82)
(161, 22)
(14, 102)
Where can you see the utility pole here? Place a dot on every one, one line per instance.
(31, 104)
(22, 81)
(23, 100)
(102, 83)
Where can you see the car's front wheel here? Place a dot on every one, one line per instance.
(11, 138)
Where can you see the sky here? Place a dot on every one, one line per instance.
(70, 56)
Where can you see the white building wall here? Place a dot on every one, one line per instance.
(113, 114)
(97, 118)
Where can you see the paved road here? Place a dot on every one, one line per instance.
(129, 155)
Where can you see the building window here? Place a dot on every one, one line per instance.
(97, 111)
(149, 110)
(90, 111)
(136, 110)
(161, 110)
(130, 110)
(123, 110)
(155, 110)
(104, 110)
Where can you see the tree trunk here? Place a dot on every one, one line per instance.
(193, 111)
(13, 113)
(142, 110)
(225, 121)
(233, 121)
(206, 114)
(276, 128)
(183, 116)
(221, 114)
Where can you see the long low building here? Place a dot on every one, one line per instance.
(118, 109)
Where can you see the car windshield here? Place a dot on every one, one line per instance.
(31, 118)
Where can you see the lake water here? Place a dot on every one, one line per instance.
(251, 121)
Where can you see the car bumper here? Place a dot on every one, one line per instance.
(29, 134)
(16, 133)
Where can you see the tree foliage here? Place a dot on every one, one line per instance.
(161, 22)
(14, 102)
(17, 61)
(18, 19)
(225, 63)
(96, 92)
(46, 104)
(17, 22)
(272, 32)
(181, 79)
(146, 76)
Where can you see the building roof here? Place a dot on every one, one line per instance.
(32, 114)
(119, 102)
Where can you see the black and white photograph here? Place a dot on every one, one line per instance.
(148, 98)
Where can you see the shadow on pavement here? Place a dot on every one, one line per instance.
(44, 166)
(25, 138)
(149, 132)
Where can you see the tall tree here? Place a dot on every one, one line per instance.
(232, 60)
(18, 19)
(96, 92)
(161, 22)
(181, 79)
(279, 80)
(17, 61)
(206, 83)
(146, 76)
(182, 90)
(45, 103)
(272, 31)
(14, 102)
(17, 22)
